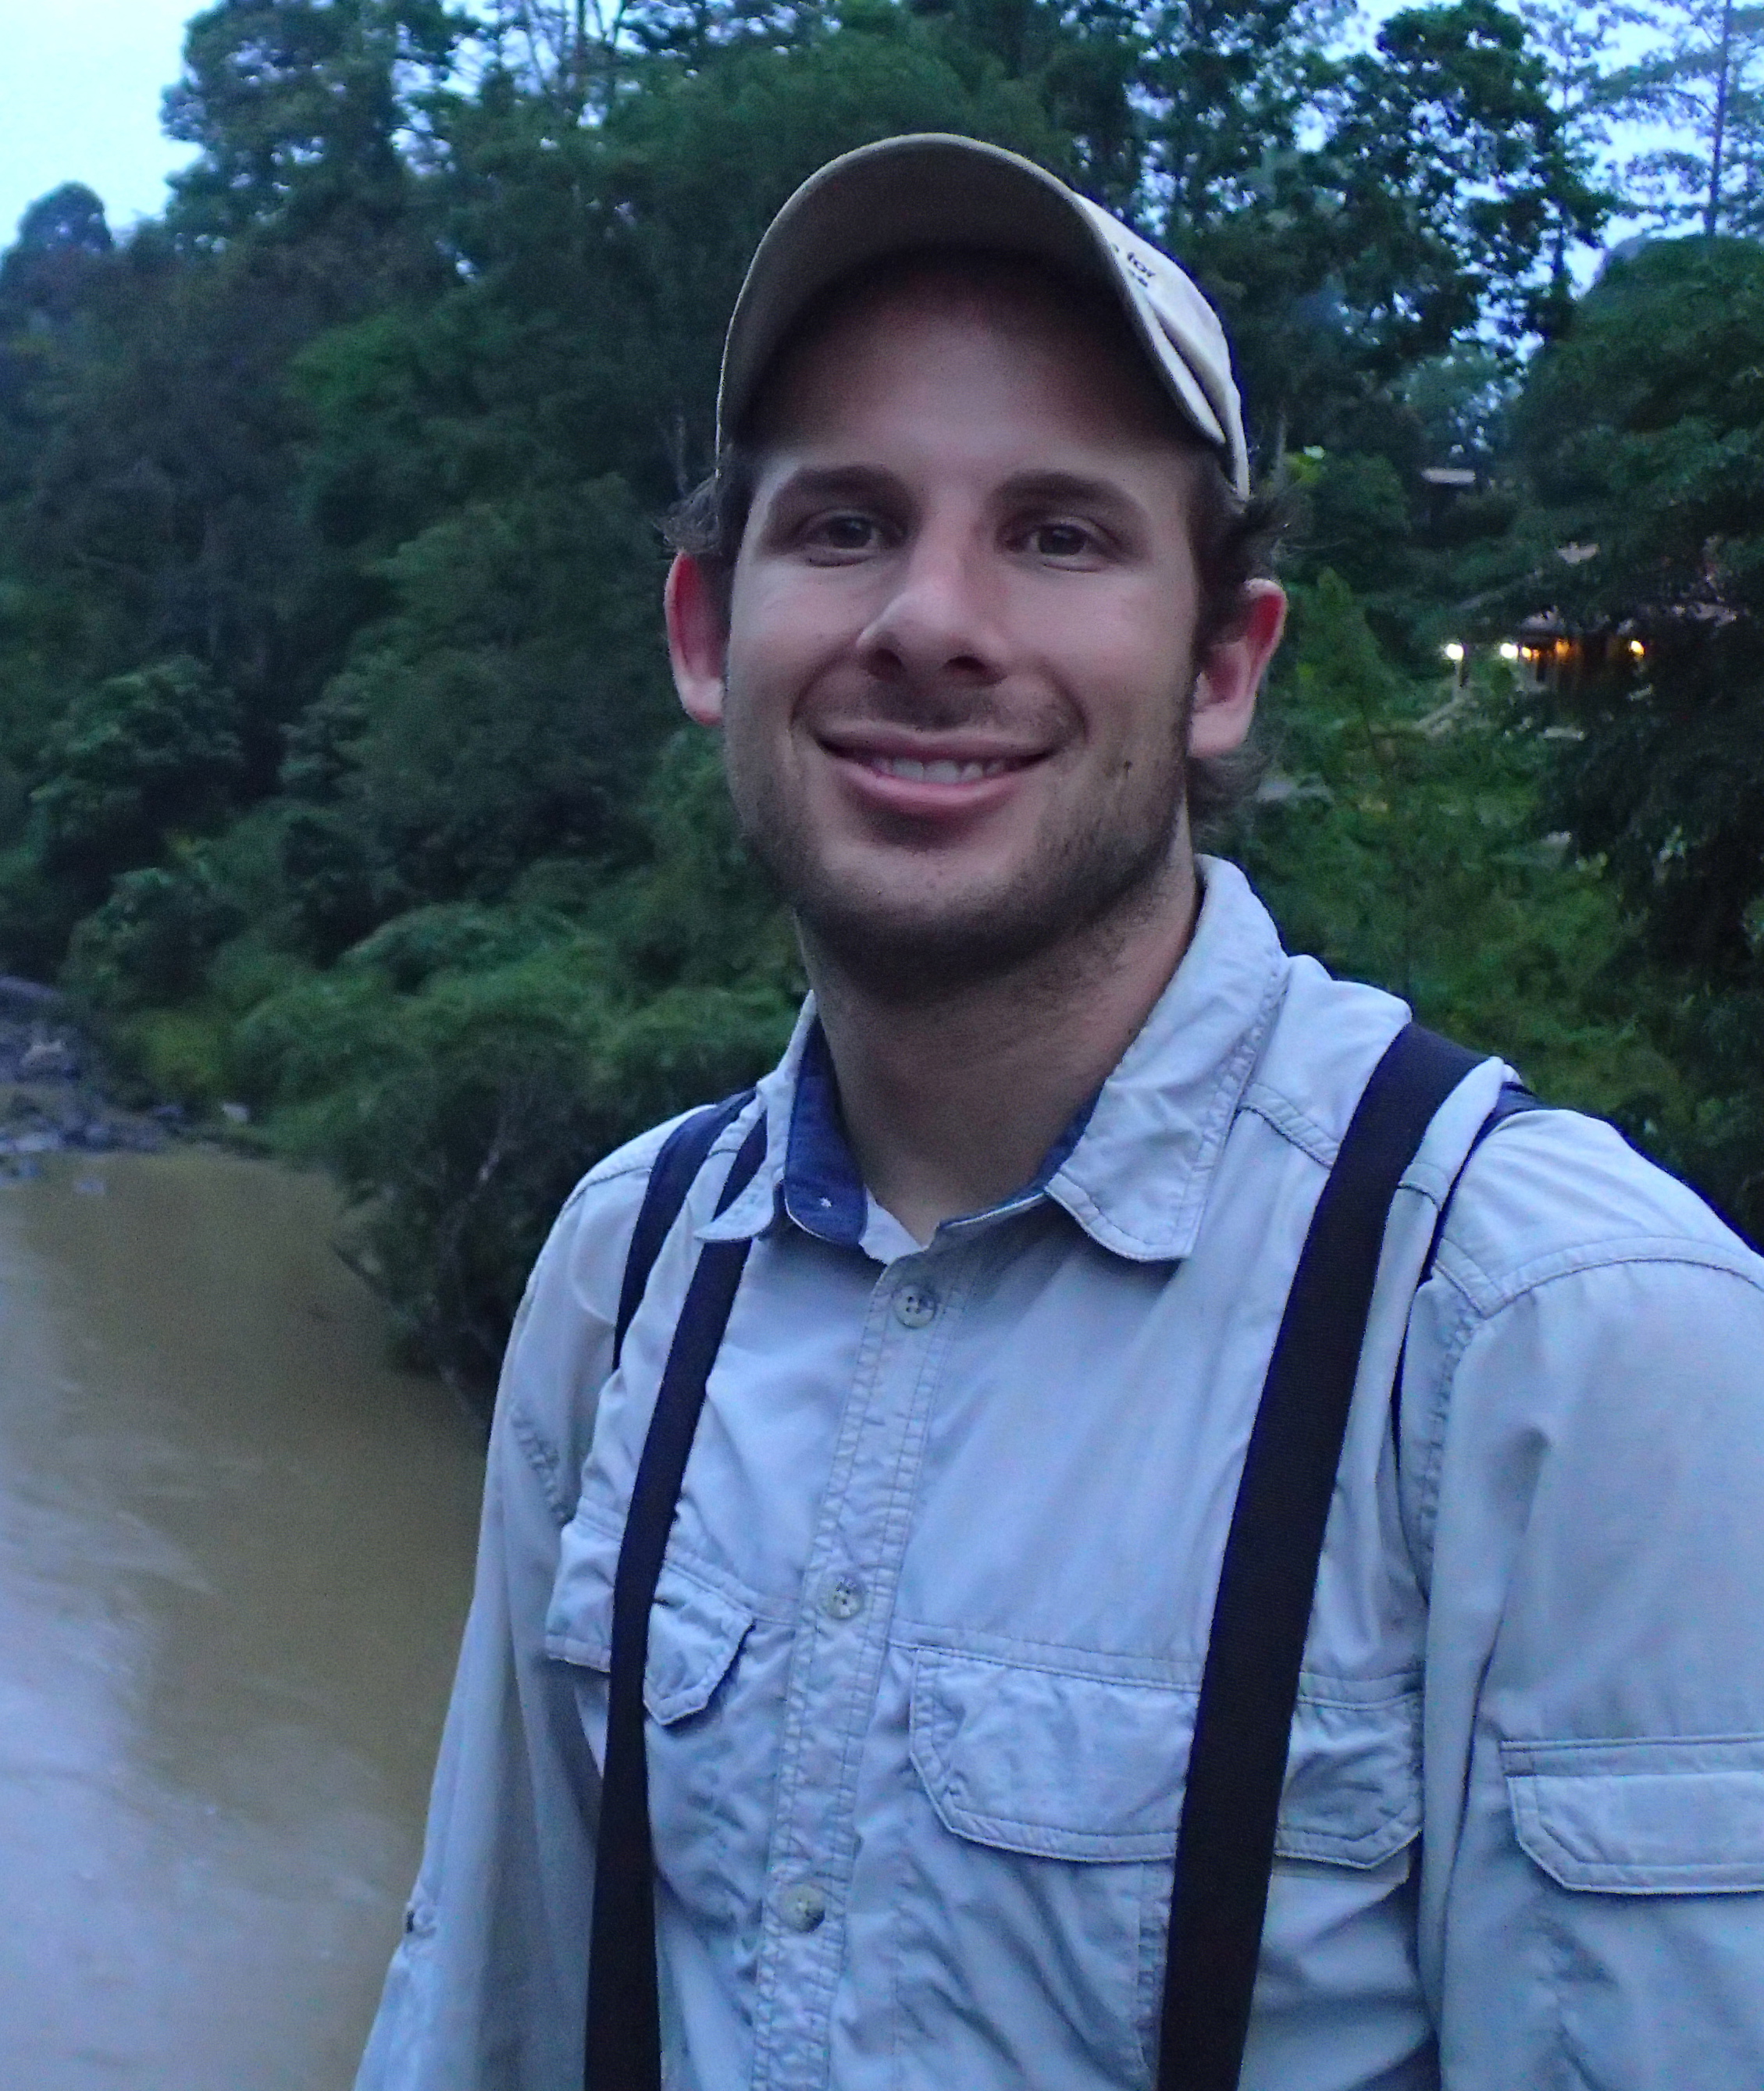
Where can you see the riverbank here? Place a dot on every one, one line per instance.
(54, 1098)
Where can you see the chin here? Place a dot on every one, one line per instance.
(909, 927)
(918, 952)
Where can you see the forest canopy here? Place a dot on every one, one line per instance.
(340, 774)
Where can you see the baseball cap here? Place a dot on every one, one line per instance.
(933, 189)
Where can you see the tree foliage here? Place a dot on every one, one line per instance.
(1644, 435)
(1401, 843)
(144, 758)
(1703, 83)
(296, 106)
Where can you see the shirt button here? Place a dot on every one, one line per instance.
(914, 1306)
(803, 1906)
(842, 1597)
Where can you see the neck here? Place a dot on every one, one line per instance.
(950, 1102)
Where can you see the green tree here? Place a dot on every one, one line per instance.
(50, 279)
(151, 942)
(144, 758)
(1401, 839)
(507, 710)
(296, 106)
(1643, 434)
(1232, 91)
(168, 483)
(1426, 216)
(1577, 43)
(1705, 81)
(44, 273)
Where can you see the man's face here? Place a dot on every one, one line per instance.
(956, 691)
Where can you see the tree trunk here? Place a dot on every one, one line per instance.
(1712, 207)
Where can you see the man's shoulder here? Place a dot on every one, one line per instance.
(594, 1223)
(1552, 1192)
(593, 1227)
(561, 1349)
(1549, 1190)
(1327, 1036)
(623, 1174)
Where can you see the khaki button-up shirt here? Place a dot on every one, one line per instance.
(923, 1661)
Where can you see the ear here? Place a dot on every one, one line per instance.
(698, 640)
(1229, 678)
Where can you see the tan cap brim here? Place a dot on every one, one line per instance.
(933, 189)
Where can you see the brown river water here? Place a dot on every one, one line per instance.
(234, 1554)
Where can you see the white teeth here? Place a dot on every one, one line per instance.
(943, 771)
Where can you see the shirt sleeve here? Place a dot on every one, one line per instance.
(487, 1989)
(1592, 1889)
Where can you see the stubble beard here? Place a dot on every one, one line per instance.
(1080, 896)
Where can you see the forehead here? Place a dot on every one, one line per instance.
(1008, 335)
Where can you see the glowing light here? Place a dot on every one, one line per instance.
(1509, 651)
(1637, 648)
(1453, 650)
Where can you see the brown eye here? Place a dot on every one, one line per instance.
(844, 533)
(1060, 541)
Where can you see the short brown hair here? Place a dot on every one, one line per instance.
(1234, 538)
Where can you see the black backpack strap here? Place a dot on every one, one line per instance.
(624, 2043)
(1513, 1099)
(1268, 1581)
(675, 1170)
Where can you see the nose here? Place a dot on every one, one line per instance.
(939, 622)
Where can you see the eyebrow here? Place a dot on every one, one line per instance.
(1075, 488)
(860, 481)
(831, 482)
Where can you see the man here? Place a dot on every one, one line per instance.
(973, 604)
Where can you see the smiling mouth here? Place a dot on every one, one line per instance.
(943, 770)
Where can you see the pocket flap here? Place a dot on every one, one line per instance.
(1682, 1817)
(694, 1630)
(1063, 1765)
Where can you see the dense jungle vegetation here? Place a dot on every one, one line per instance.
(339, 771)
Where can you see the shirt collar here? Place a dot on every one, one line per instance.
(1133, 1167)
(821, 1188)
(1137, 1182)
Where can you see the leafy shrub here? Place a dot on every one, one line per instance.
(458, 1116)
(38, 912)
(336, 890)
(179, 1055)
(699, 911)
(151, 942)
(1399, 841)
(142, 757)
(456, 937)
(331, 1031)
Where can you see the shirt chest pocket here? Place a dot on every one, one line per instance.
(1682, 1818)
(707, 1776)
(1054, 1800)
(695, 1629)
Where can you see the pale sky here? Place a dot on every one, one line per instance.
(80, 87)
